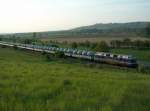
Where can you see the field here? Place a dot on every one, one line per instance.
(91, 39)
(30, 83)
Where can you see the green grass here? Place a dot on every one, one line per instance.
(143, 55)
(29, 83)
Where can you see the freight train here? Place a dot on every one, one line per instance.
(100, 57)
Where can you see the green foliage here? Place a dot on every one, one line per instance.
(87, 43)
(3, 46)
(127, 43)
(1, 38)
(15, 47)
(59, 54)
(48, 57)
(28, 83)
(74, 45)
(28, 41)
(44, 53)
(34, 35)
(67, 82)
(102, 47)
(141, 68)
(93, 45)
(147, 31)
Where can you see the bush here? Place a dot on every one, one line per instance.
(44, 53)
(59, 55)
(74, 45)
(147, 31)
(102, 46)
(141, 68)
(93, 45)
(48, 57)
(87, 43)
(3, 46)
(67, 82)
(15, 47)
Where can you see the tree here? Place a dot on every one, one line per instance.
(1, 37)
(116, 43)
(102, 46)
(87, 43)
(48, 57)
(15, 47)
(34, 34)
(28, 41)
(146, 44)
(65, 42)
(127, 42)
(138, 44)
(59, 55)
(74, 45)
(147, 31)
(93, 45)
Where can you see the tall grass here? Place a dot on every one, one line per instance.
(29, 83)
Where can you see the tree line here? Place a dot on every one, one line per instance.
(104, 46)
(127, 43)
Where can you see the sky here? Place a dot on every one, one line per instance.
(49, 15)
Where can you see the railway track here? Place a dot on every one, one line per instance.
(146, 64)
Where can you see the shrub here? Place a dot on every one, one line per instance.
(67, 82)
(15, 47)
(3, 46)
(141, 68)
(147, 31)
(74, 45)
(44, 53)
(48, 57)
(102, 46)
(59, 55)
(87, 43)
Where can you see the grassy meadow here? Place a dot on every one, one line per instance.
(30, 83)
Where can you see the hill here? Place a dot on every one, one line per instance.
(111, 26)
(132, 29)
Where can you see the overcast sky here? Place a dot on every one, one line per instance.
(46, 15)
